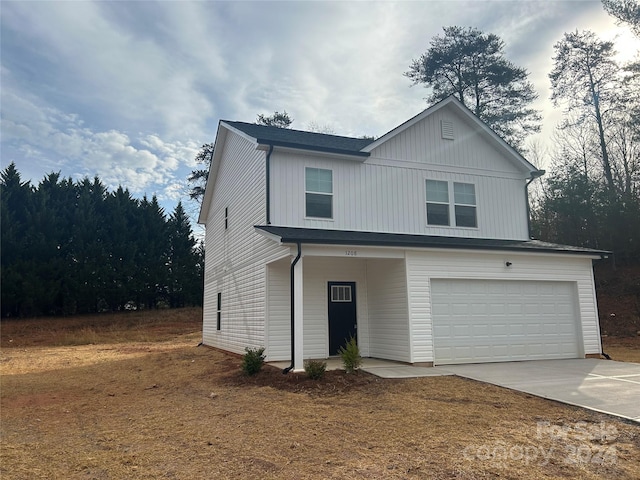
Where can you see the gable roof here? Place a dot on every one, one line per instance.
(278, 137)
(403, 240)
(286, 137)
(264, 135)
(484, 128)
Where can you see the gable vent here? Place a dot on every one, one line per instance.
(447, 129)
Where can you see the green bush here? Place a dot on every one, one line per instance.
(350, 354)
(315, 369)
(252, 361)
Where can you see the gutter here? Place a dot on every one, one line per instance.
(268, 186)
(535, 174)
(313, 148)
(293, 301)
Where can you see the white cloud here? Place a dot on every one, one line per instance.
(123, 71)
(130, 90)
(140, 164)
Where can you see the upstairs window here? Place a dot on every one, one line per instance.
(437, 202)
(319, 192)
(464, 197)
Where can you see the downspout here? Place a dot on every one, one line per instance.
(603, 353)
(535, 174)
(268, 189)
(293, 304)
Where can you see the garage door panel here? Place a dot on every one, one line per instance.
(492, 320)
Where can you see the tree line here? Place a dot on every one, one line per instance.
(592, 197)
(71, 247)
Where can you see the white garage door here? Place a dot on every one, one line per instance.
(478, 321)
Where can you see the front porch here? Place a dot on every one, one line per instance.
(338, 292)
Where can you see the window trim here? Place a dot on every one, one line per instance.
(474, 205)
(219, 313)
(312, 192)
(335, 294)
(451, 204)
(447, 203)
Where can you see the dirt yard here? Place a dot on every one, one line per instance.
(136, 398)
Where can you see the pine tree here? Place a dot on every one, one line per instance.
(15, 196)
(470, 64)
(182, 261)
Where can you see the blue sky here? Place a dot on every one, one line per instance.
(129, 91)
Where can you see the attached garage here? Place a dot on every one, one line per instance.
(438, 300)
(476, 321)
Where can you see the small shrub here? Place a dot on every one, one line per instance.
(252, 361)
(315, 369)
(350, 354)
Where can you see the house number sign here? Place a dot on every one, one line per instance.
(351, 253)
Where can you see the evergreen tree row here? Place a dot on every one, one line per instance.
(74, 247)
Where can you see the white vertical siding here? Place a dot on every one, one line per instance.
(236, 257)
(424, 266)
(388, 310)
(423, 143)
(387, 197)
(318, 271)
(279, 310)
(386, 192)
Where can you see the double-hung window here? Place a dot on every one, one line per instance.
(318, 192)
(439, 204)
(464, 197)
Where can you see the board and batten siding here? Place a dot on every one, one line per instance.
(379, 196)
(424, 266)
(317, 272)
(236, 257)
(389, 335)
(470, 148)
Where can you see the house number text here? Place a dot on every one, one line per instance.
(351, 253)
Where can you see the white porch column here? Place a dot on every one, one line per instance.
(298, 362)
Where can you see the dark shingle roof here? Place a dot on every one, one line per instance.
(285, 137)
(344, 237)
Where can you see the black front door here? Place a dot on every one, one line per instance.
(342, 314)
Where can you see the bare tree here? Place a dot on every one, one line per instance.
(584, 78)
(625, 11)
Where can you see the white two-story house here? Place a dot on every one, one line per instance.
(416, 244)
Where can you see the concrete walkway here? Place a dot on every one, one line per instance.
(602, 385)
(381, 368)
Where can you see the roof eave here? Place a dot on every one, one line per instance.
(284, 239)
(264, 144)
(221, 135)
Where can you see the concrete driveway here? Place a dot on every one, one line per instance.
(601, 385)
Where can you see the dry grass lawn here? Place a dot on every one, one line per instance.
(136, 398)
(625, 349)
